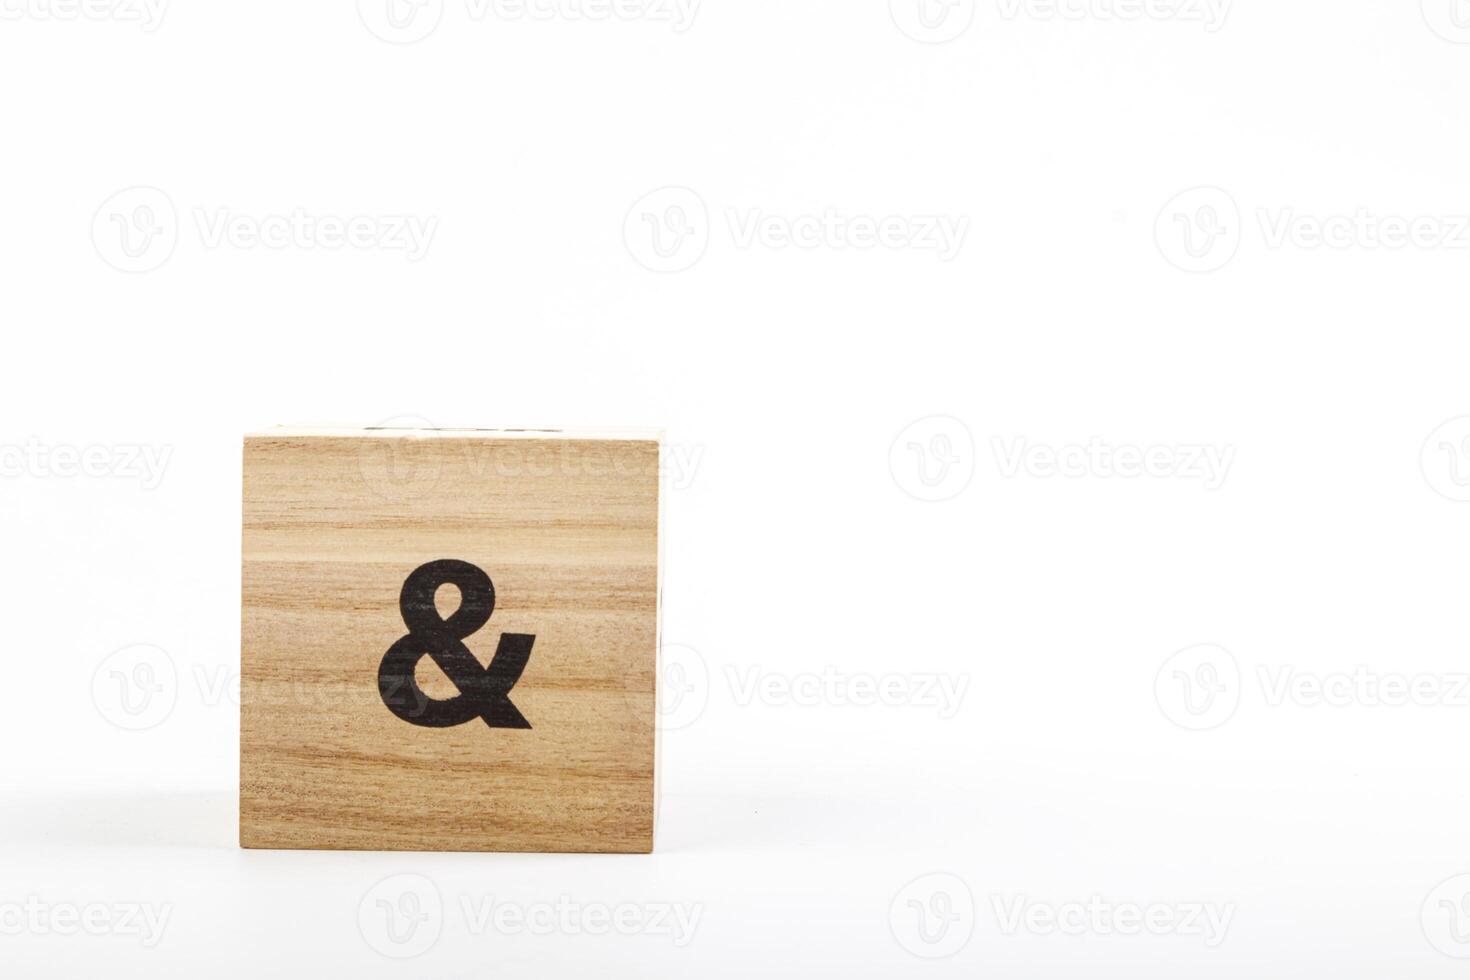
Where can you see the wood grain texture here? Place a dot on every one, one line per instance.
(566, 526)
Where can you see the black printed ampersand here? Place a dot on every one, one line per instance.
(483, 691)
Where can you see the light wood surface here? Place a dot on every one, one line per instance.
(565, 524)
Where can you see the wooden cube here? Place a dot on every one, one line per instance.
(449, 639)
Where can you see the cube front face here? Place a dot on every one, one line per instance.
(448, 641)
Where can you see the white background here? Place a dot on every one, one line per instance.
(1096, 299)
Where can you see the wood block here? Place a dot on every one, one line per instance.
(380, 708)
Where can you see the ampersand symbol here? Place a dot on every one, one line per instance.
(483, 691)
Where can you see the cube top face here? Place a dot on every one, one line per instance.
(448, 640)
